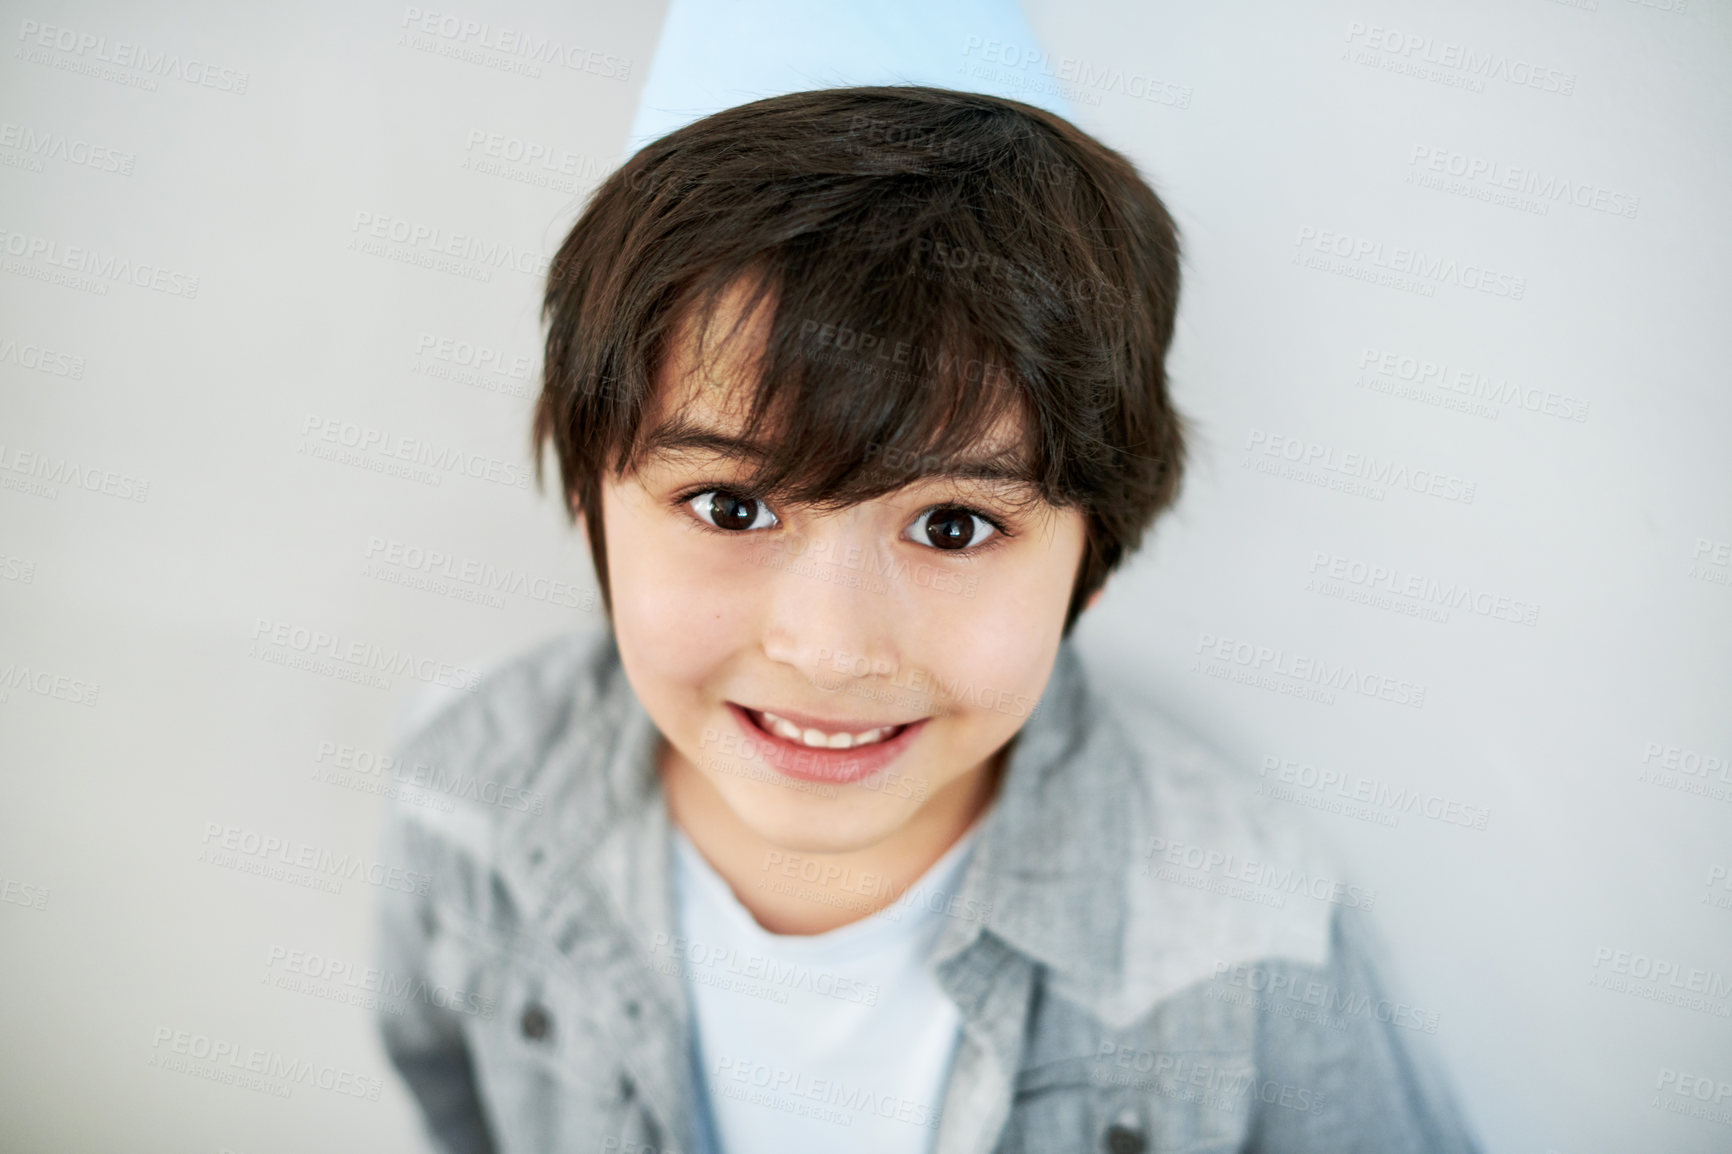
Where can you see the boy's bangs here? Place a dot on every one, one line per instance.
(854, 391)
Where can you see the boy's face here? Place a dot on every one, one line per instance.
(907, 623)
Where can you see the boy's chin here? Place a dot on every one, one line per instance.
(822, 825)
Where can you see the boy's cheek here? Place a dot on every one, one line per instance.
(677, 634)
(997, 655)
(675, 622)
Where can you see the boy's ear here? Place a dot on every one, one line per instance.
(1093, 597)
(577, 511)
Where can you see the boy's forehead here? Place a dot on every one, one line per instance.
(708, 375)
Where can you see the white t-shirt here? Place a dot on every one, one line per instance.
(840, 1041)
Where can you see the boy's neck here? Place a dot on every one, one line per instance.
(739, 854)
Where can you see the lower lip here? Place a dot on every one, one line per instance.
(835, 766)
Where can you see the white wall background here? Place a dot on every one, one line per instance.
(1269, 123)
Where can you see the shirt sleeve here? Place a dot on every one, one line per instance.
(425, 1043)
(1345, 1065)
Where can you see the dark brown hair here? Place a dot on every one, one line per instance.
(928, 262)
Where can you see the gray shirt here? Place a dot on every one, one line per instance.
(1143, 956)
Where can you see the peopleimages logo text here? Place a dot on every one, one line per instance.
(363, 655)
(1471, 63)
(1353, 466)
(1319, 671)
(1409, 262)
(514, 42)
(105, 266)
(125, 54)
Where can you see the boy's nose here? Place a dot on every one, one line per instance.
(830, 616)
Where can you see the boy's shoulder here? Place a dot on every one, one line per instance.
(1210, 872)
(1201, 806)
(532, 739)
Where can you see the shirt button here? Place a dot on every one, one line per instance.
(1124, 1136)
(536, 1023)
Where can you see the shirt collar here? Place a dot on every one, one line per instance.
(1059, 875)
(1045, 877)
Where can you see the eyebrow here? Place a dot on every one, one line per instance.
(680, 436)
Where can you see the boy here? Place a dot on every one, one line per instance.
(859, 397)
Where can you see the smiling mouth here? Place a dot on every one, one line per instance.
(814, 738)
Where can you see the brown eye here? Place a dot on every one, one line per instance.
(731, 511)
(952, 528)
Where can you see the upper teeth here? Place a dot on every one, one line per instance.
(817, 738)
